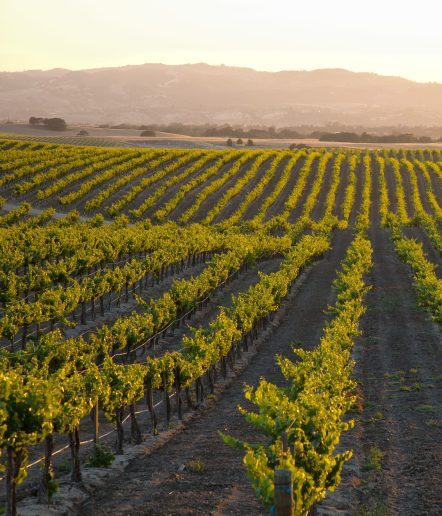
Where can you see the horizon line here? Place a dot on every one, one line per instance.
(303, 70)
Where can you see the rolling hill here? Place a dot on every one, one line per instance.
(200, 93)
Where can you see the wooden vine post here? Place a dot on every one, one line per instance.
(283, 483)
(96, 422)
(150, 406)
(178, 393)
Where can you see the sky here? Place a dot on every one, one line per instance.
(389, 37)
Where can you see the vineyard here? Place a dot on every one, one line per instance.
(226, 313)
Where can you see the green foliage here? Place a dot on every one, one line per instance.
(53, 486)
(374, 458)
(50, 266)
(195, 466)
(428, 286)
(101, 456)
(308, 413)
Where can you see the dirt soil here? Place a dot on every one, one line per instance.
(400, 370)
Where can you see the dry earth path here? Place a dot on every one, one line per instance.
(400, 370)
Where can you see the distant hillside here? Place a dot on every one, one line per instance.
(156, 93)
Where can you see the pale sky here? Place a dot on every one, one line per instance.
(391, 37)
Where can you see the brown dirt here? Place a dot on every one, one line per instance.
(400, 370)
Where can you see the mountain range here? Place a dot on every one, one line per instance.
(201, 93)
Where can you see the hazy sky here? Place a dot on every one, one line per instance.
(393, 37)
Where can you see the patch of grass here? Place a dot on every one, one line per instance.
(373, 508)
(432, 422)
(388, 302)
(52, 484)
(396, 375)
(372, 340)
(413, 370)
(101, 456)
(64, 466)
(405, 388)
(416, 386)
(374, 458)
(426, 409)
(376, 417)
(195, 465)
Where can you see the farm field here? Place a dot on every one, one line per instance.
(142, 289)
(129, 138)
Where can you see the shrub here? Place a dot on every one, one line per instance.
(101, 457)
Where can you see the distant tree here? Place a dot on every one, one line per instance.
(294, 146)
(55, 124)
(83, 132)
(229, 142)
(147, 132)
(239, 141)
(250, 143)
(35, 120)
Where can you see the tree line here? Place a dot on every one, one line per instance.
(55, 124)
